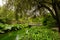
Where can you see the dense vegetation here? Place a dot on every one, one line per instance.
(33, 33)
(30, 20)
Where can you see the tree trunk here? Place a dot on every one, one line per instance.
(55, 7)
(59, 27)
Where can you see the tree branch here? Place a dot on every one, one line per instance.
(42, 5)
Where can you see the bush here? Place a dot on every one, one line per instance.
(49, 21)
(33, 33)
(13, 27)
(38, 33)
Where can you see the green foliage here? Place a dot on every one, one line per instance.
(37, 19)
(6, 15)
(23, 31)
(7, 27)
(33, 33)
(48, 21)
(38, 33)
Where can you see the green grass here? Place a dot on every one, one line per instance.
(33, 33)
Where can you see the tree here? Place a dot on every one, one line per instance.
(23, 5)
(55, 6)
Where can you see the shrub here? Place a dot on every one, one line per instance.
(33, 33)
(38, 33)
(48, 21)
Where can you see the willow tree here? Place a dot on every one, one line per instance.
(23, 5)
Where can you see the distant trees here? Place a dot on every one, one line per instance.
(21, 6)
